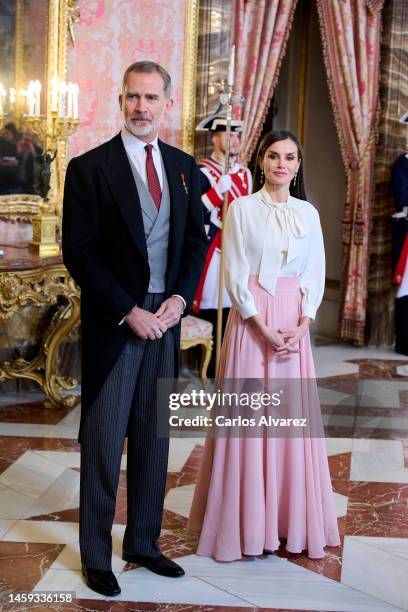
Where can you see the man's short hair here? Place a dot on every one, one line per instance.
(148, 68)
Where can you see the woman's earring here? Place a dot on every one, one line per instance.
(262, 176)
(294, 178)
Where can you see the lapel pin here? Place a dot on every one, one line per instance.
(184, 183)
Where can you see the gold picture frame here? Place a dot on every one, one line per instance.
(190, 74)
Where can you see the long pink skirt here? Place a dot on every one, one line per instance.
(252, 491)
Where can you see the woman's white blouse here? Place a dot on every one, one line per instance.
(273, 239)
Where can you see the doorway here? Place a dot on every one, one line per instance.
(301, 103)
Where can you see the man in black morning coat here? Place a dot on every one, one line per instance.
(134, 241)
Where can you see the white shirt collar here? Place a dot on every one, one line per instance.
(286, 222)
(134, 145)
(267, 198)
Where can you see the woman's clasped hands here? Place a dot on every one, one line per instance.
(282, 340)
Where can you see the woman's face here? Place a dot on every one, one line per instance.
(280, 163)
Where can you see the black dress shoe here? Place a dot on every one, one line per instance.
(159, 565)
(101, 581)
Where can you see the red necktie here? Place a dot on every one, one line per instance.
(152, 178)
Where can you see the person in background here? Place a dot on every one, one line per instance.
(214, 184)
(10, 133)
(10, 162)
(29, 142)
(399, 183)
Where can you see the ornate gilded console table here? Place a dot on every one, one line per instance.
(26, 279)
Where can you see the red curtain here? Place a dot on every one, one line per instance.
(351, 43)
(261, 31)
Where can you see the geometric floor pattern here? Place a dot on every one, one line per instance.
(367, 446)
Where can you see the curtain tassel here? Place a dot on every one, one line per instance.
(346, 225)
(359, 226)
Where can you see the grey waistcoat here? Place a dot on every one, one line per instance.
(156, 228)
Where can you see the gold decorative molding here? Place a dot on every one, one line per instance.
(18, 62)
(69, 13)
(42, 287)
(19, 206)
(190, 74)
(56, 49)
(73, 14)
(43, 242)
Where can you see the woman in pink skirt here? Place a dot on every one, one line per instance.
(251, 491)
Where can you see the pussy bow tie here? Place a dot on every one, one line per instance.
(285, 224)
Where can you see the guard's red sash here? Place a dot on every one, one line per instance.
(402, 262)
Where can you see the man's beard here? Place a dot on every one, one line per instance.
(141, 130)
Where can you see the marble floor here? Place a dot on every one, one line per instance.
(364, 398)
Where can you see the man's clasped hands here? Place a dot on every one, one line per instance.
(152, 325)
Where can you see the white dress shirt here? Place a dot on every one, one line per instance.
(136, 150)
(273, 239)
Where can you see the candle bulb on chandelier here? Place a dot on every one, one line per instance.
(12, 97)
(30, 98)
(62, 91)
(75, 92)
(70, 100)
(37, 103)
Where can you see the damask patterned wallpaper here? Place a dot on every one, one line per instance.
(110, 35)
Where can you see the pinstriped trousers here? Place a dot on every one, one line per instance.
(126, 405)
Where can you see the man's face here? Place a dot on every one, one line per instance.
(220, 138)
(144, 104)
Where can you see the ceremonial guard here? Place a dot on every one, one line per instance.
(399, 182)
(214, 184)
